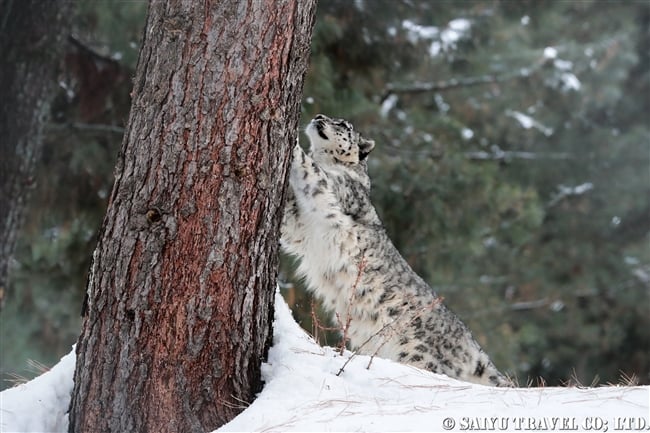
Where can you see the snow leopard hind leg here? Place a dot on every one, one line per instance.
(456, 352)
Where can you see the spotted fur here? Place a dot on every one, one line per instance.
(351, 264)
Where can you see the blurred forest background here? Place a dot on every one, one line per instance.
(512, 170)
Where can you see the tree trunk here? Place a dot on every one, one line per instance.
(31, 34)
(180, 291)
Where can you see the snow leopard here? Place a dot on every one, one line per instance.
(348, 260)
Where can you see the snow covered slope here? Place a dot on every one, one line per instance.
(303, 393)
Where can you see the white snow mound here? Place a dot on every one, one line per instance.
(303, 393)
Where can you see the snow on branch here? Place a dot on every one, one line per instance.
(528, 122)
(570, 191)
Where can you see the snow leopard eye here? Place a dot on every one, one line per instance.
(344, 123)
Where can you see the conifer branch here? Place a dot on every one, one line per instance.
(455, 83)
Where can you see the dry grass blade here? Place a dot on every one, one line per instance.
(16, 379)
(37, 367)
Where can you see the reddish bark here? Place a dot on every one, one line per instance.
(180, 291)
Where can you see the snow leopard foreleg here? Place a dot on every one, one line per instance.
(315, 198)
(292, 229)
(332, 238)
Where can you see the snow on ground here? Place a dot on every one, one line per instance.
(304, 393)
(39, 405)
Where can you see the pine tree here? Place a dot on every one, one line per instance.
(178, 315)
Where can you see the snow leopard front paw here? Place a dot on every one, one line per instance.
(298, 154)
(297, 164)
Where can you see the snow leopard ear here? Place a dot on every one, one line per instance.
(365, 147)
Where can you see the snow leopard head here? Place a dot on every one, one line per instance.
(335, 140)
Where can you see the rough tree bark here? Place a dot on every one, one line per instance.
(31, 34)
(180, 291)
